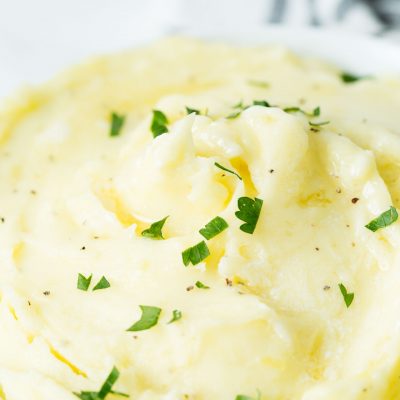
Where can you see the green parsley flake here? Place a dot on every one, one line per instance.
(257, 83)
(227, 170)
(192, 110)
(244, 397)
(83, 282)
(117, 121)
(195, 254)
(105, 390)
(213, 228)
(234, 115)
(159, 123)
(348, 297)
(201, 285)
(262, 103)
(318, 123)
(176, 315)
(315, 113)
(240, 107)
(148, 319)
(155, 230)
(382, 221)
(102, 284)
(293, 110)
(249, 212)
(349, 78)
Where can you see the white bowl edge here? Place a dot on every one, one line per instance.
(353, 52)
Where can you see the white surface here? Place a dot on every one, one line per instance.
(39, 38)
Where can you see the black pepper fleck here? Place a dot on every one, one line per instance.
(228, 282)
(189, 288)
(326, 287)
(46, 292)
(354, 200)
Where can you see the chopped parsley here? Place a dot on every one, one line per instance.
(105, 390)
(83, 282)
(349, 78)
(244, 397)
(318, 123)
(148, 319)
(234, 114)
(257, 83)
(293, 110)
(262, 103)
(102, 284)
(155, 230)
(227, 170)
(192, 110)
(347, 297)
(117, 122)
(213, 228)
(241, 107)
(176, 315)
(159, 123)
(195, 254)
(201, 285)
(249, 212)
(315, 113)
(382, 221)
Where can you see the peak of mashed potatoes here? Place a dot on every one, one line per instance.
(273, 324)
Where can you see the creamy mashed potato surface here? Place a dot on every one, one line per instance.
(273, 323)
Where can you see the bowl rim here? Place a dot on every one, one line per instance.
(354, 52)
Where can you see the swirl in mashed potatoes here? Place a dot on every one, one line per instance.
(304, 307)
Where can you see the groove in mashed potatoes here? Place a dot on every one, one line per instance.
(75, 200)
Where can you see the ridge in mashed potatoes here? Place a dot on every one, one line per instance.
(262, 314)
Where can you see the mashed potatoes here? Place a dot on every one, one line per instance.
(307, 306)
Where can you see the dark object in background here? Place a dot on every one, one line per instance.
(386, 12)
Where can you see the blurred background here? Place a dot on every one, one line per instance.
(40, 37)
